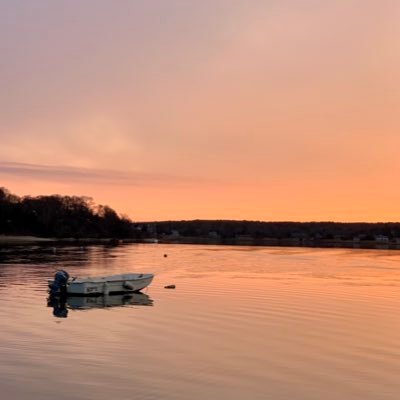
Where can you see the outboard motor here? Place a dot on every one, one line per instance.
(59, 285)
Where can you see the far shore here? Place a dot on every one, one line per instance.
(270, 242)
(273, 242)
(23, 239)
(5, 239)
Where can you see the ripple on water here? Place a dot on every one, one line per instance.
(242, 322)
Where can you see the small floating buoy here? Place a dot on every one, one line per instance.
(165, 255)
(170, 287)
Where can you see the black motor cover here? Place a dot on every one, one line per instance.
(59, 284)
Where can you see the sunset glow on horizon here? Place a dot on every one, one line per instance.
(224, 109)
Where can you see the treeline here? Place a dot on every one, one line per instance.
(79, 217)
(60, 217)
(278, 230)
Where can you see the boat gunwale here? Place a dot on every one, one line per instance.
(99, 294)
(79, 282)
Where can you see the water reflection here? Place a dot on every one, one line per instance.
(61, 304)
(281, 323)
(43, 254)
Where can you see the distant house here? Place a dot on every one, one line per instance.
(175, 233)
(382, 239)
(244, 238)
(151, 229)
(213, 235)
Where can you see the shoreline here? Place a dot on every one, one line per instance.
(265, 242)
(15, 239)
(21, 239)
(27, 239)
(270, 242)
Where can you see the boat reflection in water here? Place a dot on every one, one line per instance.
(62, 304)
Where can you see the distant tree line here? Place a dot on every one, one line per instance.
(79, 217)
(226, 229)
(60, 217)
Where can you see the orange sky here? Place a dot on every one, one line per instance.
(267, 110)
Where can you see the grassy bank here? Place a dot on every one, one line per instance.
(5, 239)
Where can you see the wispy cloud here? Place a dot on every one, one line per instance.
(87, 175)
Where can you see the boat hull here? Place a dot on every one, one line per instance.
(128, 283)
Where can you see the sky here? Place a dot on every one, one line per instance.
(269, 110)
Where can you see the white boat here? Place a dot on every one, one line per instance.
(85, 286)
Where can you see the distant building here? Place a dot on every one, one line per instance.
(244, 238)
(151, 229)
(381, 239)
(213, 235)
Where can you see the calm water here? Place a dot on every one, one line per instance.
(254, 323)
